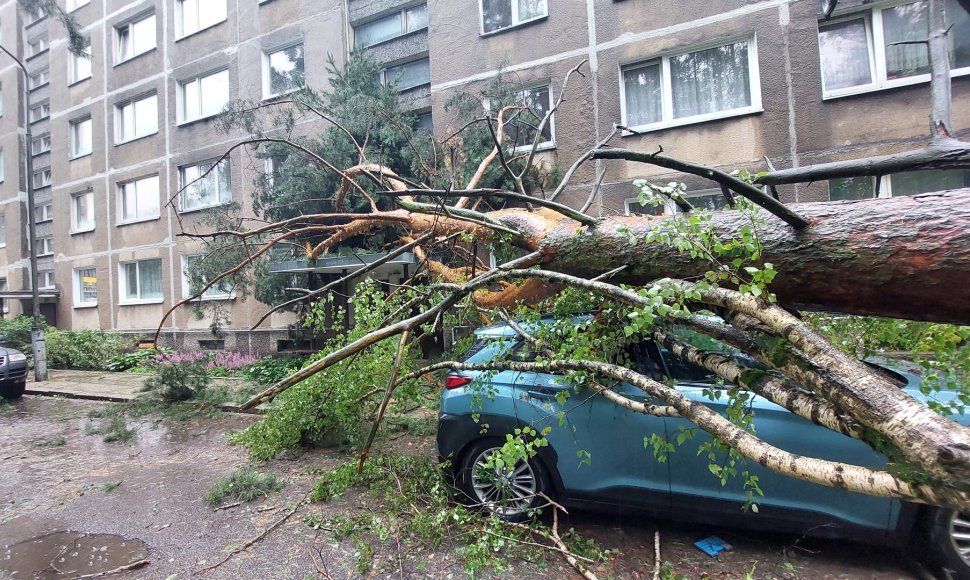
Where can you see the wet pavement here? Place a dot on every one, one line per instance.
(145, 495)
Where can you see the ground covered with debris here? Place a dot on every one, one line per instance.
(75, 506)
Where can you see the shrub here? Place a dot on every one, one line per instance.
(178, 381)
(91, 350)
(272, 369)
(244, 484)
(17, 332)
(140, 357)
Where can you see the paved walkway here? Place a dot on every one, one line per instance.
(102, 386)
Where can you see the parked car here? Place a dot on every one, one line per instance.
(13, 372)
(478, 410)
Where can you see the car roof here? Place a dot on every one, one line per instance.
(503, 329)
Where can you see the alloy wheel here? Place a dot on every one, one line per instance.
(502, 490)
(959, 530)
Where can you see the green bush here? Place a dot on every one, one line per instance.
(140, 357)
(90, 350)
(271, 369)
(17, 332)
(178, 381)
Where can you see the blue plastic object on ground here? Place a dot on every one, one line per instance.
(712, 546)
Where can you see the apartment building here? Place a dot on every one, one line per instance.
(727, 83)
(117, 135)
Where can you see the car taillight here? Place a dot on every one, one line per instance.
(455, 381)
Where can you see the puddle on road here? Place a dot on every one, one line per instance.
(62, 554)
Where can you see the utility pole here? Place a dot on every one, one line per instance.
(38, 345)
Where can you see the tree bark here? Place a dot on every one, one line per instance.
(904, 257)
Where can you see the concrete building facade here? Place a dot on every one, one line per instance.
(725, 82)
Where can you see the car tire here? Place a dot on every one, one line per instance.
(13, 390)
(513, 495)
(946, 534)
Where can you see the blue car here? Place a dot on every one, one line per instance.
(597, 457)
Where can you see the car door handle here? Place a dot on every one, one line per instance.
(543, 395)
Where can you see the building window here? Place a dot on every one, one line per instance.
(692, 87)
(85, 287)
(81, 65)
(388, 27)
(499, 14)
(134, 38)
(203, 188)
(282, 70)
(204, 96)
(82, 212)
(521, 124)
(2, 170)
(139, 199)
(408, 75)
(42, 178)
(46, 279)
(75, 4)
(36, 46)
(196, 15)
(38, 79)
(425, 123)
(40, 144)
(44, 212)
(898, 184)
(192, 284)
(81, 133)
(3, 230)
(45, 246)
(40, 112)
(141, 281)
(4, 302)
(135, 119)
(880, 47)
(36, 15)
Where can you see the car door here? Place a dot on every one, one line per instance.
(691, 475)
(599, 445)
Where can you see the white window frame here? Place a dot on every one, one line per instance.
(88, 225)
(79, 297)
(267, 83)
(79, 67)
(36, 15)
(120, 117)
(213, 293)
(543, 145)
(128, 27)
(195, 84)
(180, 7)
(123, 298)
(39, 79)
(45, 112)
(46, 280)
(401, 15)
(36, 46)
(72, 5)
(77, 148)
(885, 187)
(666, 89)
(3, 171)
(214, 175)
(42, 178)
(44, 212)
(3, 230)
(6, 301)
(123, 189)
(515, 18)
(45, 144)
(872, 17)
(45, 246)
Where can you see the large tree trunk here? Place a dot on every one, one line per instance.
(904, 257)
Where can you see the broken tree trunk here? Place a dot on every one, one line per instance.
(904, 257)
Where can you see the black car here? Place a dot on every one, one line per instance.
(13, 372)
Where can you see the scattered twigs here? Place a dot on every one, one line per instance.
(322, 566)
(227, 506)
(583, 159)
(118, 570)
(262, 535)
(751, 192)
(570, 557)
